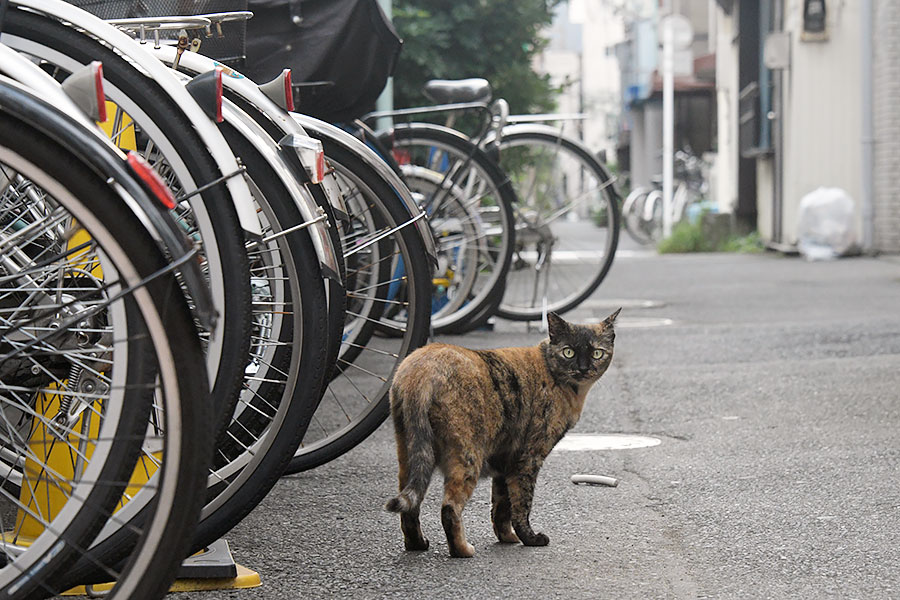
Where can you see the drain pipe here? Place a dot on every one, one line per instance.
(868, 131)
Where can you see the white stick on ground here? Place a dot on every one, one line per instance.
(595, 480)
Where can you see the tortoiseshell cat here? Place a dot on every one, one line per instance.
(489, 412)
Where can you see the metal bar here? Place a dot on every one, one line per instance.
(322, 217)
(424, 110)
(384, 235)
(211, 184)
(546, 117)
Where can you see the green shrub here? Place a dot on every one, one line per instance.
(686, 237)
(691, 237)
(750, 243)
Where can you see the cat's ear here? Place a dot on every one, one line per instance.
(556, 326)
(611, 319)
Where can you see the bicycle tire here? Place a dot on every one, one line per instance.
(337, 297)
(632, 208)
(151, 107)
(652, 218)
(558, 159)
(495, 207)
(22, 153)
(300, 351)
(234, 489)
(140, 264)
(377, 193)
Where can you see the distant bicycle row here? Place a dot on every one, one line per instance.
(201, 289)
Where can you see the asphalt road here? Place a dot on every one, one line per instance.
(774, 387)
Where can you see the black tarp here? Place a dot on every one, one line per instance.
(348, 42)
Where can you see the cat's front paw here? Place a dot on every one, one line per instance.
(538, 539)
(416, 545)
(467, 551)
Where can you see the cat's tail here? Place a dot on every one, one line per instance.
(420, 451)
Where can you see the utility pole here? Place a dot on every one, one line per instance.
(385, 101)
(668, 93)
(677, 34)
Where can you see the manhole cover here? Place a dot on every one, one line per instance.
(574, 442)
(635, 323)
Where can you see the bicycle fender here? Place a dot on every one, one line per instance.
(250, 92)
(89, 145)
(269, 150)
(163, 76)
(314, 217)
(433, 127)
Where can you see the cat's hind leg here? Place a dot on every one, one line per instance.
(501, 512)
(413, 538)
(460, 477)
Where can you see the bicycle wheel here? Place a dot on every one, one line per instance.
(93, 327)
(387, 268)
(567, 222)
(146, 119)
(652, 215)
(471, 214)
(283, 378)
(632, 216)
(337, 297)
(288, 362)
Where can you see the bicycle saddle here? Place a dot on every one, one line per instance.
(447, 91)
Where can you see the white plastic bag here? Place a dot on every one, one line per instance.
(825, 224)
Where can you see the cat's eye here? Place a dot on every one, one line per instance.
(598, 353)
(568, 352)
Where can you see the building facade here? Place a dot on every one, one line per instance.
(641, 126)
(813, 85)
(578, 61)
(885, 135)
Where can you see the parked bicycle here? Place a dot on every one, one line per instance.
(642, 211)
(99, 354)
(565, 205)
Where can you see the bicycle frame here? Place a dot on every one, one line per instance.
(518, 125)
(454, 107)
(496, 115)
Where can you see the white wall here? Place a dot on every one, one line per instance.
(602, 29)
(822, 124)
